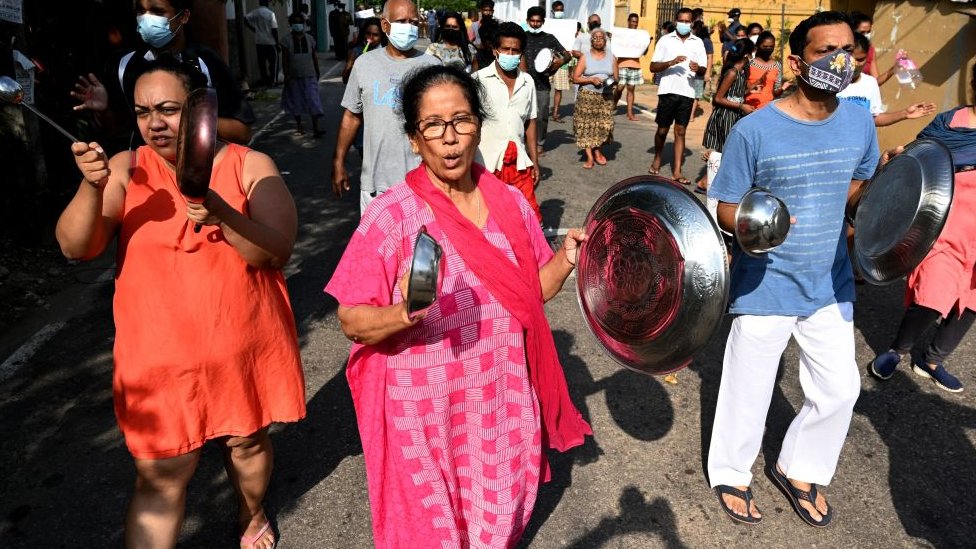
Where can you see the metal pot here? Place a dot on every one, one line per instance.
(903, 211)
(652, 279)
(762, 222)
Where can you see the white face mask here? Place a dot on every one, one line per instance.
(867, 34)
(558, 14)
(754, 38)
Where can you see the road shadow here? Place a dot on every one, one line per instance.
(552, 213)
(878, 313)
(667, 155)
(61, 450)
(931, 458)
(638, 404)
(636, 516)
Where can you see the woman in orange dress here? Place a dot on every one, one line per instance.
(205, 346)
(765, 74)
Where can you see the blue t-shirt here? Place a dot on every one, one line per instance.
(809, 166)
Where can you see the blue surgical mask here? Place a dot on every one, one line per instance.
(298, 27)
(558, 14)
(534, 31)
(154, 29)
(403, 36)
(682, 28)
(508, 62)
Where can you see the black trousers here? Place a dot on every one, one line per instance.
(950, 332)
(267, 63)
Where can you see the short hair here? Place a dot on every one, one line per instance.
(633, 15)
(296, 17)
(509, 30)
(533, 11)
(861, 42)
(798, 38)
(753, 26)
(858, 17)
(486, 4)
(684, 10)
(418, 82)
(698, 13)
(559, 4)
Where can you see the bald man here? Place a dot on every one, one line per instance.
(372, 99)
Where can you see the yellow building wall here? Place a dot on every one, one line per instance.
(941, 41)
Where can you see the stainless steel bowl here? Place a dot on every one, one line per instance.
(424, 273)
(762, 222)
(652, 279)
(903, 211)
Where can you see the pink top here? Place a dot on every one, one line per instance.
(946, 275)
(450, 424)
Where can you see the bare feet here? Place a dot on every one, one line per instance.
(598, 156)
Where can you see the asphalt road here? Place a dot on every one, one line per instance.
(905, 478)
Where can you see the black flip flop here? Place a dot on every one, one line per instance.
(744, 496)
(794, 494)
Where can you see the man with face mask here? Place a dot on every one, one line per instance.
(487, 9)
(678, 58)
(536, 41)
(162, 26)
(813, 152)
(510, 96)
(582, 42)
(372, 100)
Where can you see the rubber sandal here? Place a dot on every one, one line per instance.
(587, 165)
(701, 190)
(652, 171)
(247, 542)
(597, 160)
(744, 496)
(682, 180)
(794, 494)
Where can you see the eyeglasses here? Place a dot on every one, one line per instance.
(435, 128)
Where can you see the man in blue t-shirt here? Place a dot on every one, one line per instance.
(813, 152)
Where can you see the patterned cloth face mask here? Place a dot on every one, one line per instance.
(831, 73)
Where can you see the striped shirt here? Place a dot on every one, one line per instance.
(809, 165)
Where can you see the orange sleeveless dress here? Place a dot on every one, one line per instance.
(205, 345)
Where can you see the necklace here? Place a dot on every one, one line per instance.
(477, 220)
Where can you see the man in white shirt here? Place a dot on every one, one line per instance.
(582, 43)
(678, 57)
(511, 100)
(265, 26)
(864, 91)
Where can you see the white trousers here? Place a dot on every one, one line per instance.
(714, 161)
(830, 381)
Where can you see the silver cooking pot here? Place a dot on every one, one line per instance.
(762, 222)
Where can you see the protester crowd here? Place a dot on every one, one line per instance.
(457, 405)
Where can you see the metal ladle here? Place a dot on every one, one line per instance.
(12, 92)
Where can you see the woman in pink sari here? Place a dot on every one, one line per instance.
(454, 406)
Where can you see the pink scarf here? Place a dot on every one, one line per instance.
(517, 288)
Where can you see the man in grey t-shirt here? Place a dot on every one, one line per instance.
(372, 99)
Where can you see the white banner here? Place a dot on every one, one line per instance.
(563, 30)
(12, 10)
(629, 43)
(365, 14)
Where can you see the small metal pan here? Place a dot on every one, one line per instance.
(424, 273)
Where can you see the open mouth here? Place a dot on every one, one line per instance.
(452, 160)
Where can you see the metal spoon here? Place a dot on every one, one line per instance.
(12, 92)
